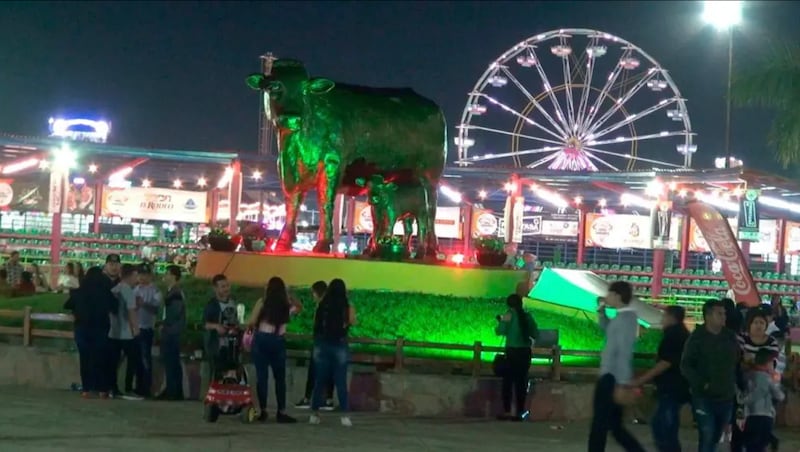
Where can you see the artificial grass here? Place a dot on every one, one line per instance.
(389, 315)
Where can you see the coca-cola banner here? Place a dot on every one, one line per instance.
(722, 242)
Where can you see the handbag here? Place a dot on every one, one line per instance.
(500, 363)
(247, 340)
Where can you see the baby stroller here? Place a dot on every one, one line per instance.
(229, 392)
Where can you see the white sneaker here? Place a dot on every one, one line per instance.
(314, 419)
(346, 422)
(133, 397)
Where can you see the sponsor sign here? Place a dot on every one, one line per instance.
(447, 225)
(748, 216)
(155, 204)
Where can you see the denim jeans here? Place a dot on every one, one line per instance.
(711, 417)
(92, 350)
(666, 423)
(173, 370)
(330, 359)
(269, 351)
(145, 386)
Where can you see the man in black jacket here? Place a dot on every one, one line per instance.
(171, 331)
(709, 363)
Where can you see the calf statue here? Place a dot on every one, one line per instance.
(391, 203)
(331, 134)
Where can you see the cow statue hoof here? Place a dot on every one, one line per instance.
(323, 247)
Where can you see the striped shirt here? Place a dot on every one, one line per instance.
(750, 348)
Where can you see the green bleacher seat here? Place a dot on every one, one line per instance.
(700, 272)
(625, 268)
(615, 267)
(636, 268)
(648, 269)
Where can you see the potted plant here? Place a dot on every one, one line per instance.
(490, 251)
(220, 240)
(391, 249)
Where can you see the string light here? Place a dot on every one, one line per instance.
(602, 202)
(177, 183)
(578, 200)
(482, 194)
(145, 183)
(92, 168)
(257, 175)
(202, 181)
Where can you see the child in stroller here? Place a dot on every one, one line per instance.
(229, 391)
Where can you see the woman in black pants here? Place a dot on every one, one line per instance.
(519, 328)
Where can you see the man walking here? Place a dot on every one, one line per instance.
(672, 390)
(616, 369)
(148, 301)
(709, 363)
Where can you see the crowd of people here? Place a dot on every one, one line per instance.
(728, 370)
(116, 309)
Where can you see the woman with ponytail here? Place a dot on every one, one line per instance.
(520, 330)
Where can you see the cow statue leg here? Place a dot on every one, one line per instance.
(327, 187)
(428, 244)
(408, 230)
(293, 200)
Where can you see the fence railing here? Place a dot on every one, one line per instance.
(398, 359)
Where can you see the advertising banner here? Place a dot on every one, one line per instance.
(747, 219)
(722, 241)
(766, 244)
(618, 231)
(155, 204)
(660, 223)
(551, 227)
(792, 245)
(447, 225)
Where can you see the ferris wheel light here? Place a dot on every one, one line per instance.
(526, 60)
(561, 51)
(596, 51)
(477, 109)
(687, 149)
(675, 115)
(629, 63)
(498, 81)
(464, 143)
(722, 15)
(656, 85)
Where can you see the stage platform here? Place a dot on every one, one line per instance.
(254, 269)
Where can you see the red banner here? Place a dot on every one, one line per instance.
(723, 244)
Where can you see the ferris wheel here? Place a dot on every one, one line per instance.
(576, 100)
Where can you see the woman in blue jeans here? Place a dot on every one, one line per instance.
(271, 315)
(331, 354)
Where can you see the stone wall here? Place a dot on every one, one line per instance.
(403, 393)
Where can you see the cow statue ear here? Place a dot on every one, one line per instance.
(361, 182)
(319, 85)
(255, 81)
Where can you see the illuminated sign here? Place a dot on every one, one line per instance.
(80, 129)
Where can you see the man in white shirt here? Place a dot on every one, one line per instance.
(123, 334)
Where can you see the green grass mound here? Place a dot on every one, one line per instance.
(388, 315)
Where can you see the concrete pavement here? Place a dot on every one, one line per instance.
(46, 420)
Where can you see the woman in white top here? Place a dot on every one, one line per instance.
(68, 279)
(270, 318)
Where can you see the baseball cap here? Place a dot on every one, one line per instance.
(112, 258)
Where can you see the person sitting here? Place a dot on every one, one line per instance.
(68, 279)
(39, 280)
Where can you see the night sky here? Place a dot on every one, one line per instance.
(171, 75)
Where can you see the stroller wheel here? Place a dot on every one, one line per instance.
(210, 413)
(249, 414)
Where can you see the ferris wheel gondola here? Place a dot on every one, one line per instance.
(613, 107)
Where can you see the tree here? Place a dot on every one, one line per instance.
(774, 83)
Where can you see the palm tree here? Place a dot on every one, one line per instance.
(774, 83)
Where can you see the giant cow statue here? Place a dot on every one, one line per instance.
(331, 134)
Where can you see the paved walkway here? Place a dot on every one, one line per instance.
(35, 420)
